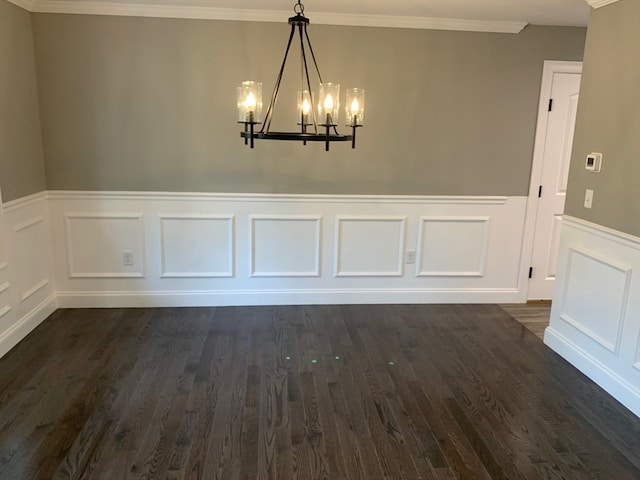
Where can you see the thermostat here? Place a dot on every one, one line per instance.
(594, 162)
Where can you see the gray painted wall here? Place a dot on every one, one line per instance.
(609, 120)
(21, 159)
(149, 104)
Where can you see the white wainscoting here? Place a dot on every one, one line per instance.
(244, 249)
(27, 294)
(595, 318)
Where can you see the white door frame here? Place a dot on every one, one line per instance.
(550, 68)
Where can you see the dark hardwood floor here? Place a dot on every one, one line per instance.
(324, 392)
(534, 315)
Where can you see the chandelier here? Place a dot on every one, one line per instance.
(314, 124)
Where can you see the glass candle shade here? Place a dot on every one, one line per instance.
(305, 104)
(354, 108)
(250, 102)
(329, 103)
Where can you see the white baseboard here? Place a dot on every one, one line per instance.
(610, 381)
(279, 297)
(20, 329)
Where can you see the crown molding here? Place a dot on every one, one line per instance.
(88, 7)
(599, 3)
(25, 4)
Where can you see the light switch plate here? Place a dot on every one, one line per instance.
(588, 198)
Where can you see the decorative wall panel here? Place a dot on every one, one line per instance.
(197, 246)
(453, 246)
(285, 246)
(369, 246)
(97, 245)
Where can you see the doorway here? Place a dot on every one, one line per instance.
(558, 106)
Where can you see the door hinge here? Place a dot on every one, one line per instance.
(540, 191)
(550, 104)
(530, 272)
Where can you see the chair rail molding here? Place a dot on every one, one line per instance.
(599, 3)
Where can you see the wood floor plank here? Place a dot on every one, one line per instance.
(507, 387)
(429, 392)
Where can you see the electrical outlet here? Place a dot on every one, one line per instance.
(411, 257)
(588, 198)
(127, 258)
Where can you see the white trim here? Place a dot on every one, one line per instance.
(33, 290)
(636, 359)
(131, 9)
(29, 223)
(273, 197)
(551, 67)
(625, 392)
(27, 5)
(5, 310)
(27, 324)
(601, 231)
(131, 299)
(600, 3)
(24, 201)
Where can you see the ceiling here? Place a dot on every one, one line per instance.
(508, 16)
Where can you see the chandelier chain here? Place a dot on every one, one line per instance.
(299, 8)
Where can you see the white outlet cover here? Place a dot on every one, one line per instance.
(127, 258)
(411, 257)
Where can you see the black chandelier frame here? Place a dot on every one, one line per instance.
(330, 134)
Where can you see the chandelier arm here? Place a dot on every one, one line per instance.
(303, 65)
(274, 97)
(306, 72)
(313, 55)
